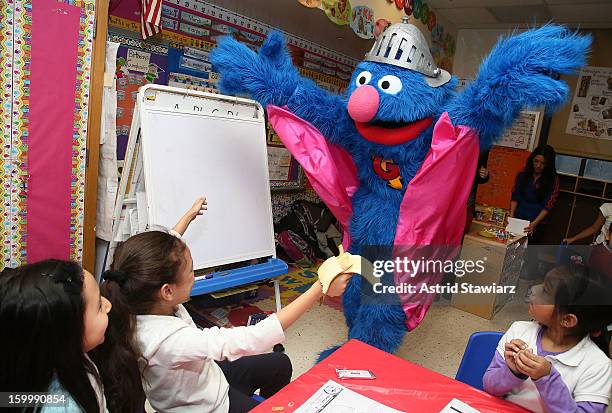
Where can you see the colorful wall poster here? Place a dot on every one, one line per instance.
(591, 109)
(362, 22)
(338, 11)
(148, 65)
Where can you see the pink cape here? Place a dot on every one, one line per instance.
(433, 209)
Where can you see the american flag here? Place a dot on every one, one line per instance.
(150, 17)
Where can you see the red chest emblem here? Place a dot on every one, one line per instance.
(388, 171)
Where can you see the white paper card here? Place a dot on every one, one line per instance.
(335, 398)
(133, 214)
(457, 406)
(141, 205)
(138, 61)
(517, 226)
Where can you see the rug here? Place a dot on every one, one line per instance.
(229, 313)
(295, 283)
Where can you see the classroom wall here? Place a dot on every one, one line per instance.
(472, 46)
(601, 56)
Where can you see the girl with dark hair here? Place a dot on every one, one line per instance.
(535, 192)
(152, 336)
(558, 362)
(52, 314)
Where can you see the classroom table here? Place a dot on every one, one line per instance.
(399, 384)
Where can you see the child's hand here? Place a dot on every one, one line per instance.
(198, 208)
(482, 172)
(532, 365)
(512, 348)
(339, 284)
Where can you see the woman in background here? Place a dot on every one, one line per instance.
(535, 192)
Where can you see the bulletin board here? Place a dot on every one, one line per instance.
(597, 147)
(179, 57)
(504, 164)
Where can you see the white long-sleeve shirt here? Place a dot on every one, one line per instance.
(180, 374)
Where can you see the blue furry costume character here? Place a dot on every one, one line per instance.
(410, 139)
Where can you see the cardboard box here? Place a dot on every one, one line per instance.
(502, 267)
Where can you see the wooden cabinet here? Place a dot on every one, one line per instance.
(502, 266)
(577, 207)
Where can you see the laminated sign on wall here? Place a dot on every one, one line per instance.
(591, 109)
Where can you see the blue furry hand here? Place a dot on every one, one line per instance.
(268, 76)
(530, 63)
(521, 71)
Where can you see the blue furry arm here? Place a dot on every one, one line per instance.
(521, 71)
(325, 110)
(268, 77)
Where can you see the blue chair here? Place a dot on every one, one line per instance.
(477, 356)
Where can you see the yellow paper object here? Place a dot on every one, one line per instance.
(344, 263)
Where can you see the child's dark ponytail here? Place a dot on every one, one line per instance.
(117, 358)
(141, 265)
(589, 300)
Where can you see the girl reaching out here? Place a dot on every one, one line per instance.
(185, 369)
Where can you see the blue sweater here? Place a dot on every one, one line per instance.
(529, 206)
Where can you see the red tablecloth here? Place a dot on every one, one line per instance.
(399, 384)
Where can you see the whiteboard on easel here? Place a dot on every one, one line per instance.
(195, 144)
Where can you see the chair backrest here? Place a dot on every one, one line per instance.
(258, 398)
(477, 357)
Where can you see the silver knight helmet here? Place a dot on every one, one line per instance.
(403, 45)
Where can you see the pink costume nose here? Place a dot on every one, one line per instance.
(363, 103)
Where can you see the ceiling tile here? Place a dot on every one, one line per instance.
(468, 15)
(576, 3)
(585, 13)
(521, 14)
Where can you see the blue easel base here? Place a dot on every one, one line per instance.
(223, 280)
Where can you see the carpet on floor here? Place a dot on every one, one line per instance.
(296, 282)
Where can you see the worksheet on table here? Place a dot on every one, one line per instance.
(335, 398)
